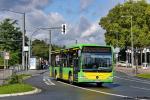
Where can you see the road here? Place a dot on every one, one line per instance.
(123, 88)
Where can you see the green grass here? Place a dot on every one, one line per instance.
(24, 76)
(147, 76)
(15, 88)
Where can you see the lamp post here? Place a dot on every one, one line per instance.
(23, 32)
(132, 48)
(30, 44)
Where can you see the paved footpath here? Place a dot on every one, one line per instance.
(33, 72)
(130, 71)
(8, 73)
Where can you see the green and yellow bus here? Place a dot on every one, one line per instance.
(83, 63)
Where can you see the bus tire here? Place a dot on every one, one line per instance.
(99, 84)
(56, 76)
(70, 78)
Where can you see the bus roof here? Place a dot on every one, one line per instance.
(78, 46)
(82, 45)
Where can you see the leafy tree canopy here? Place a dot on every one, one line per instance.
(118, 24)
(41, 49)
(10, 36)
(10, 40)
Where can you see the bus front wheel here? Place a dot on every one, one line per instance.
(99, 84)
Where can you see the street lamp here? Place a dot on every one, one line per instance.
(132, 48)
(30, 44)
(23, 33)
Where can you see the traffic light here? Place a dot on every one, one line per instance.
(63, 28)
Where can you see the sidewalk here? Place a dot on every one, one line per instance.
(4, 74)
(130, 71)
(33, 72)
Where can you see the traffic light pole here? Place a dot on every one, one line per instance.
(50, 44)
(23, 42)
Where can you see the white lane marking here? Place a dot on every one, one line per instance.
(48, 81)
(107, 93)
(140, 88)
(133, 80)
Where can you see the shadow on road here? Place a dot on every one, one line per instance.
(94, 85)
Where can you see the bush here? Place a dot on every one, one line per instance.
(15, 79)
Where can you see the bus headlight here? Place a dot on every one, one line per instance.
(83, 77)
(111, 77)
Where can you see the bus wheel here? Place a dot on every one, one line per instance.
(99, 84)
(70, 79)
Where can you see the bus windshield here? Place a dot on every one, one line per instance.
(97, 62)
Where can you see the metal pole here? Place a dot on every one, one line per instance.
(26, 60)
(29, 51)
(23, 41)
(117, 52)
(145, 57)
(50, 47)
(141, 57)
(132, 49)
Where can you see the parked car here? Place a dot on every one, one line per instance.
(145, 65)
(122, 64)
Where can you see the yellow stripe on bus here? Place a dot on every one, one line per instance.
(93, 75)
(65, 76)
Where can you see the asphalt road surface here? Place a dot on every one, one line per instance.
(124, 88)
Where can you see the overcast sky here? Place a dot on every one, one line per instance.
(81, 17)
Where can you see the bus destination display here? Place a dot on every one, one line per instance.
(94, 49)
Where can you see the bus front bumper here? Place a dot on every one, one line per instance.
(88, 80)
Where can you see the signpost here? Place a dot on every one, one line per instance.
(26, 49)
(6, 58)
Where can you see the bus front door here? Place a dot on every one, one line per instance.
(61, 72)
(75, 69)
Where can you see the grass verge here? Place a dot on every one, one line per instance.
(15, 88)
(24, 76)
(146, 76)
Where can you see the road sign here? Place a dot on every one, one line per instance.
(26, 48)
(6, 55)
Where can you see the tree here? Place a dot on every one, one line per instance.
(41, 49)
(10, 36)
(115, 24)
(11, 40)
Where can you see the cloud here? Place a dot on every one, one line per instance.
(92, 29)
(84, 4)
(24, 5)
(84, 30)
(43, 20)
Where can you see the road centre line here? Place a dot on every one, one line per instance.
(106, 93)
(139, 81)
(140, 88)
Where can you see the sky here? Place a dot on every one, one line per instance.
(80, 16)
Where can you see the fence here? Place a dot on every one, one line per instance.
(6, 73)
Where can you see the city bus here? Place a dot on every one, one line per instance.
(83, 63)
